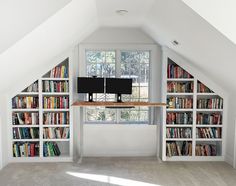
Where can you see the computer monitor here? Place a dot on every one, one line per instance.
(90, 85)
(118, 86)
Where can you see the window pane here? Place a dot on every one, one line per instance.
(95, 56)
(110, 57)
(143, 92)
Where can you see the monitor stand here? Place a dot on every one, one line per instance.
(119, 98)
(90, 97)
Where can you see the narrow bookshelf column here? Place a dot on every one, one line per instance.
(41, 118)
(193, 119)
(25, 122)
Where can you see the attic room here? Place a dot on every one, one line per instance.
(117, 92)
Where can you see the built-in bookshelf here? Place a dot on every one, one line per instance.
(193, 119)
(41, 118)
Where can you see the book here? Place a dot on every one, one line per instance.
(25, 149)
(179, 118)
(181, 148)
(51, 149)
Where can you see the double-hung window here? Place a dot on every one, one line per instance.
(120, 63)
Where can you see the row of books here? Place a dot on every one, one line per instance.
(55, 86)
(59, 102)
(180, 87)
(174, 71)
(178, 133)
(25, 118)
(25, 149)
(181, 148)
(179, 118)
(180, 103)
(51, 149)
(211, 119)
(210, 103)
(32, 88)
(28, 102)
(205, 150)
(208, 132)
(56, 118)
(25, 133)
(59, 72)
(56, 133)
(201, 88)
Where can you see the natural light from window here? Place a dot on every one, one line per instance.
(110, 179)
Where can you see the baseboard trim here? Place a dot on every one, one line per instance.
(229, 159)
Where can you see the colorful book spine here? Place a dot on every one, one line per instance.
(209, 119)
(180, 87)
(51, 149)
(205, 150)
(25, 102)
(178, 133)
(25, 118)
(180, 103)
(208, 133)
(182, 148)
(56, 133)
(210, 103)
(25, 133)
(25, 149)
(179, 118)
(56, 118)
(55, 86)
(57, 102)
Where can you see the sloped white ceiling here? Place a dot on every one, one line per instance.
(219, 13)
(24, 61)
(18, 18)
(164, 20)
(208, 49)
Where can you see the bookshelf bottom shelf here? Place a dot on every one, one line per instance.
(195, 158)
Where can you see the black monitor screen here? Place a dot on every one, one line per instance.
(118, 86)
(90, 85)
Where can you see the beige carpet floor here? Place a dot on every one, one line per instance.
(118, 171)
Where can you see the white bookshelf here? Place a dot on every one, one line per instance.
(195, 95)
(65, 145)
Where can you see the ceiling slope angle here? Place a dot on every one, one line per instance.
(18, 18)
(31, 56)
(205, 47)
(221, 14)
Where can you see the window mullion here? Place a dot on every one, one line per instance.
(118, 74)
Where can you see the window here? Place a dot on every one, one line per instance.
(131, 64)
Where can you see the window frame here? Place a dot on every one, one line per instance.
(118, 48)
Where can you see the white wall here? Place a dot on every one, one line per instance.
(120, 140)
(115, 139)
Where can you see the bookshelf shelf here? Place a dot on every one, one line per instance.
(52, 95)
(179, 139)
(209, 125)
(55, 79)
(178, 110)
(180, 79)
(209, 110)
(178, 125)
(28, 93)
(25, 110)
(23, 126)
(25, 140)
(58, 125)
(179, 94)
(56, 110)
(188, 101)
(208, 139)
(56, 140)
(55, 93)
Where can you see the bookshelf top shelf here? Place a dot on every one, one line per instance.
(116, 104)
(55, 79)
(180, 79)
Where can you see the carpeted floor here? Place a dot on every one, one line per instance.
(118, 171)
